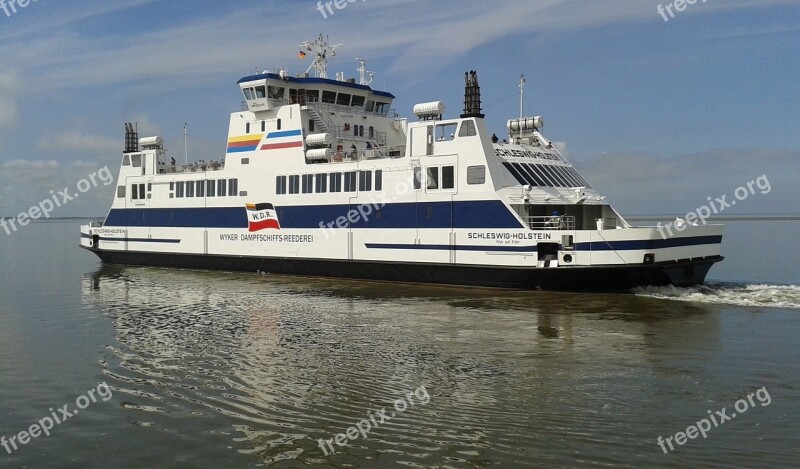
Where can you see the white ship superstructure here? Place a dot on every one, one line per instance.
(322, 178)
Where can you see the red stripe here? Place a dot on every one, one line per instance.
(248, 143)
(263, 225)
(278, 146)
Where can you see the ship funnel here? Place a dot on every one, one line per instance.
(131, 138)
(472, 95)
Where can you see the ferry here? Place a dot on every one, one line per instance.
(321, 177)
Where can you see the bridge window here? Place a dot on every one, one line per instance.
(370, 106)
(358, 101)
(136, 161)
(343, 99)
(381, 108)
(329, 97)
(276, 92)
(261, 92)
(249, 93)
(312, 96)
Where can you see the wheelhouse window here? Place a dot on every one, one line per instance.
(370, 106)
(343, 99)
(276, 92)
(358, 101)
(329, 97)
(249, 94)
(261, 92)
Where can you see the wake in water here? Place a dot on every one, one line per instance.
(773, 296)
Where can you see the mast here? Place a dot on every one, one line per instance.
(363, 72)
(322, 50)
(185, 144)
(522, 82)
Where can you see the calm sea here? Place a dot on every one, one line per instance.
(170, 368)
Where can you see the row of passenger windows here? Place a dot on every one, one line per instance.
(329, 182)
(205, 188)
(546, 175)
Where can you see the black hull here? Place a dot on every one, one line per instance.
(598, 278)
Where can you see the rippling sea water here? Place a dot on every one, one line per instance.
(214, 369)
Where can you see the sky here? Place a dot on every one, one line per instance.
(659, 115)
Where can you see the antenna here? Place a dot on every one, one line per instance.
(322, 50)
(363, 73)
(185, 143)
(522, 82)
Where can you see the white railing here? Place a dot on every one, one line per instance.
(554, 222)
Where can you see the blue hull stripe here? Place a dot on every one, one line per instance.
(470, 214)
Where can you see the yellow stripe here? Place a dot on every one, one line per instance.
(246, 138)
(251, 206)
